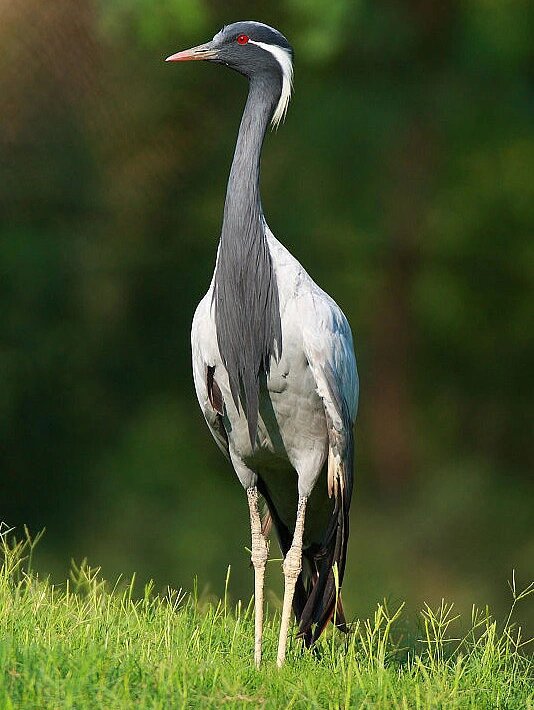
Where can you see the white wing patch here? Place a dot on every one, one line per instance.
(283, 57)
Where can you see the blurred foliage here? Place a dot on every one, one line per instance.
(403, 180)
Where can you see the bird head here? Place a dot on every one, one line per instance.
(254, 50)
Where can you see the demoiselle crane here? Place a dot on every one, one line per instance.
(273, 363)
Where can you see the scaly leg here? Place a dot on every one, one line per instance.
(292, 567)
(260, 550)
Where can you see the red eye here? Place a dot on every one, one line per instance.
(242, 39)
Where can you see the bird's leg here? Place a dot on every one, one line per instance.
(260, 550)
(292, 567)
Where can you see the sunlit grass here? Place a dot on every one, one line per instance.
(85, 644)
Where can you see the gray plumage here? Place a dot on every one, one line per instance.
(245, 297)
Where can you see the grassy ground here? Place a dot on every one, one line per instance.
(85, 645)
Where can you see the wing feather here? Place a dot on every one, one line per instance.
(207, 390)
(329, 349)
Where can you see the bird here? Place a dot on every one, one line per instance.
(274, 367)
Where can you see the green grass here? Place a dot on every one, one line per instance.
(86, 645)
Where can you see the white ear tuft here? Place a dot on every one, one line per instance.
(283, 57)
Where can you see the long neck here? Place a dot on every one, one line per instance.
(247, 312)
(242, 208)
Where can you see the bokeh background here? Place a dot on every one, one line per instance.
(403, 180)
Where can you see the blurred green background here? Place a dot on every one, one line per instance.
(402, 180)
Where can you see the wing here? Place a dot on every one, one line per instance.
(203, 342)
(329, 349)
(328, 346)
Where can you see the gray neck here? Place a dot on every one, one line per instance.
(243, 192)
(247, 314)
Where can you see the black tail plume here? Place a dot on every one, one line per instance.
(321, 602)
(316, 592)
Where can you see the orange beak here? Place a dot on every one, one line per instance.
(195, 54)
